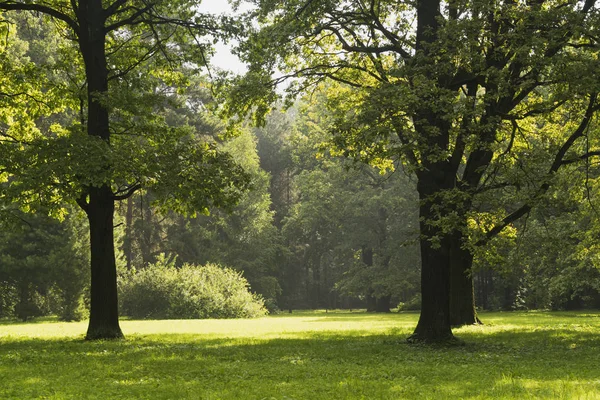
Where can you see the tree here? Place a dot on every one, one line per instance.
(126, 55)
(446, 87)
(42, 259)
(244, 239)
(342, 221)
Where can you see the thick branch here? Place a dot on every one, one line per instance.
(14, 5)
(82, 201)
(581, 157)
(133, 19)
(128, 193)
(114, 8)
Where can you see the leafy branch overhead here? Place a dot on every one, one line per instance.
(158, 38)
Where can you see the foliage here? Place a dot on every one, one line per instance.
(473, 97)
(306, 356)
(131, 65)
(43, 266)
(243, 238)
(164, 291)
(550, 260)
(336, 211)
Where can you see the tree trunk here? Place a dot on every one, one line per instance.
(366, 256)
(147, 232)
(104, 316)
(462, 294)
(434, 321)
(371, 303)
(128, 241)
(383, 304)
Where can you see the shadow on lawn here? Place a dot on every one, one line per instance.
(548, 362)
(365, 317)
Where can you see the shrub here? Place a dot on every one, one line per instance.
(414, 304)
(163, 291)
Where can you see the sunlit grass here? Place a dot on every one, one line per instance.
(305, 356)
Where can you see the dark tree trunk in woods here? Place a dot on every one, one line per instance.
(366, 256)
(104, 316)
(371, 303)
(485, 286)
(128, 241)
(383, 304)
(147, 232)
(462, 293)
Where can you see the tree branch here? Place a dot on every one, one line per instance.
(127, 192)
(15, 5)
(82, 201)
(558, 162)
(581, 157)
(114, 8)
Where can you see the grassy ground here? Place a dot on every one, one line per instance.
(305, 356)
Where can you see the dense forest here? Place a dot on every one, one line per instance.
(435, 156)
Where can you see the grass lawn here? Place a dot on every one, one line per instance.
(305, 356)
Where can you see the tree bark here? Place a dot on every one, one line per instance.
(434, 322)
(104, 314)
(128, 241)
(382, 304)
(462, 293)
(371, 303)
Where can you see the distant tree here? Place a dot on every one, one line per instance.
(275, 154)
(244, 239)
(43, 259)
(339, 212)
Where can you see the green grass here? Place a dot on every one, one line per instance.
(305, 356)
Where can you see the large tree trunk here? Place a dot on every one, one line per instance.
(434, 321)
(434, 177)
(104, 316)
(462, 294)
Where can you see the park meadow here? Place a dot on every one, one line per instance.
(305, 355)
(162, 210)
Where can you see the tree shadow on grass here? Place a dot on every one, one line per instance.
(409, 317)
(549, 362)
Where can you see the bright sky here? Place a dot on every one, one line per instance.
(223, 58)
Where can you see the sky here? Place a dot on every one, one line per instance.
(223, 58)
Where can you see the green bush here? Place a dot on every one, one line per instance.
(163, 291)
(414, 304)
